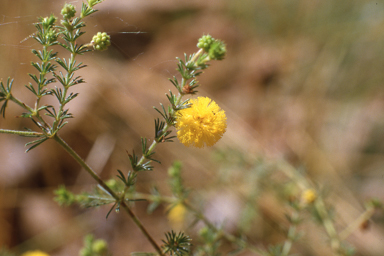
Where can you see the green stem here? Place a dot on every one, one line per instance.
(365, 216)
(197, 55)
(152, 198)
(72, 46)
(65, 90)
(39, 89)
(22, 133)
(21, 104)
(291, 235)
(110, 191)
(34, 112)
(328, 225)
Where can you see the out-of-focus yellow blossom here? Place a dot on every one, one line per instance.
(176, 215)
(309, 196)
(202, 124)
(34, 253)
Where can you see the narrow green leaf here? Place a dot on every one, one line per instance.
(109, 212)
(35, 143)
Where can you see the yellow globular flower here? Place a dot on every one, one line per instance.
(309, 196)
(177, 214)
(34, 253)
(202, 124)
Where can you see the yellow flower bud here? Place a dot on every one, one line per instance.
(177, 214)
(309, 196)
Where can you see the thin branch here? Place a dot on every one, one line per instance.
(22, 133)
(110, 191)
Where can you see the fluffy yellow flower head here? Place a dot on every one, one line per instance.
(202, 124)
(176, 214)
(34, 253)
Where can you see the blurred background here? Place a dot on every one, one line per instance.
(302, 81)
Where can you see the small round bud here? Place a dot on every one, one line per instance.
(68, 11)
(309, 196)
(215, 48)
(204, 232)
(177, 214)
(174, 170)
(112, 184)
(99, 246)
(101, 41)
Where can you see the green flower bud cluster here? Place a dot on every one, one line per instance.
(205, 42)
(101, 41)
(48, 22)
(64, 197)
(51, 36)
(215, 48)
(94, 247)
(48, 34)
(68, 11)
